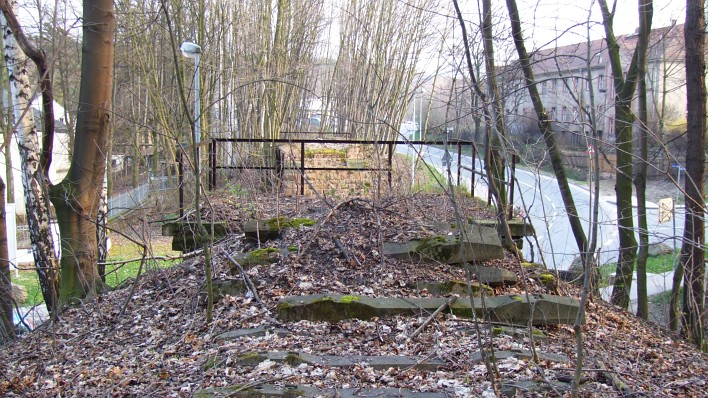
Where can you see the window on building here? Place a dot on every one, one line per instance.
(552, 83)
(564, 114)
(601, 83)
(575, 114)
(552, 116)
(543, 87)
(575, 138)
(565, 86)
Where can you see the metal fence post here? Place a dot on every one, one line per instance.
(302, 168)
(474, 167)
(180, 179)
(390, 163)
(511, 188)
(212, 165)
(459, 161)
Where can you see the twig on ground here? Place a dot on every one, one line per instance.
(249, 284)
(432, 316)
(616, 380)
(347, 255)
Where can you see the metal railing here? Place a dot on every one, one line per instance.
(302, 167)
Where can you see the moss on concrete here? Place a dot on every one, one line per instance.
(260, 257)
(546, 278)
(280, 223)
(326, 152)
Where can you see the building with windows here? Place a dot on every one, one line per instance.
(576, 79)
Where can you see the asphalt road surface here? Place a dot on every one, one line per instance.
(538, 193)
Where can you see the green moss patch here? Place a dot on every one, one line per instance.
(326, 152)
(280, 223)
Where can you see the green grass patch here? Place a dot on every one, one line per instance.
(119, 273)
(28, 279)
(655, 265)
(115, 273)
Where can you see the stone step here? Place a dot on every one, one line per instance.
(378, 362)
(514, 331)
(493, 276)
(475, 245)
(294, 391)
(265, 230)
(515, 309)
(453, 287)
(522, 354)
(185, 238)
(519, 228)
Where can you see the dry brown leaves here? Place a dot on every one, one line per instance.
(162, 346)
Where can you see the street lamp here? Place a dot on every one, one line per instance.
(194, 51)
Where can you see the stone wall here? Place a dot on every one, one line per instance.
(339, 183)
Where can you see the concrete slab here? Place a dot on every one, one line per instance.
(541, 309)
(294, 391)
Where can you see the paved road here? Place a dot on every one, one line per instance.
(539, 194)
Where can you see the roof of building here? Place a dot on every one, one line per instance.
(665, 42)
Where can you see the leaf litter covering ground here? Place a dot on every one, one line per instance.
(162, 346)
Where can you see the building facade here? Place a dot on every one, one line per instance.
(575, 80)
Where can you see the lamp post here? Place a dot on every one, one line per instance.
(194, 51)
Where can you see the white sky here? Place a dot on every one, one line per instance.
(553, 17)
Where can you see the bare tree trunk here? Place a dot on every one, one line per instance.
(692, 250)
(6, 325)
(624, 118)
(6, 129)
(640, 177)
(33, 178)
(77, 197)
(495, 160)
(544, 125)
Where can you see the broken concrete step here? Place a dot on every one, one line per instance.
(252, 332)
(541, 309)
(401, 251)
(294, 391)
(222, 287)
(523, 354)
(380, 362)
(493, 276)
(474, 245)
(515, 332)
(259, 231)
(454, 287)
(185, 237)
(519, 228)
(262, 256)
(265, 230)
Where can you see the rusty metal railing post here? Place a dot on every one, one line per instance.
(212, 165)
(511, 187)
(390, 164)
(459, 161)
(302, 168)
(474, 168)
(180, 179)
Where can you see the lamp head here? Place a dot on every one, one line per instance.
(190, 50)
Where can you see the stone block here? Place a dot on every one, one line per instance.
(295, 391)
(475, 244)
(454, 287)
(540, 309)
(493, 276)
(519, 228)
